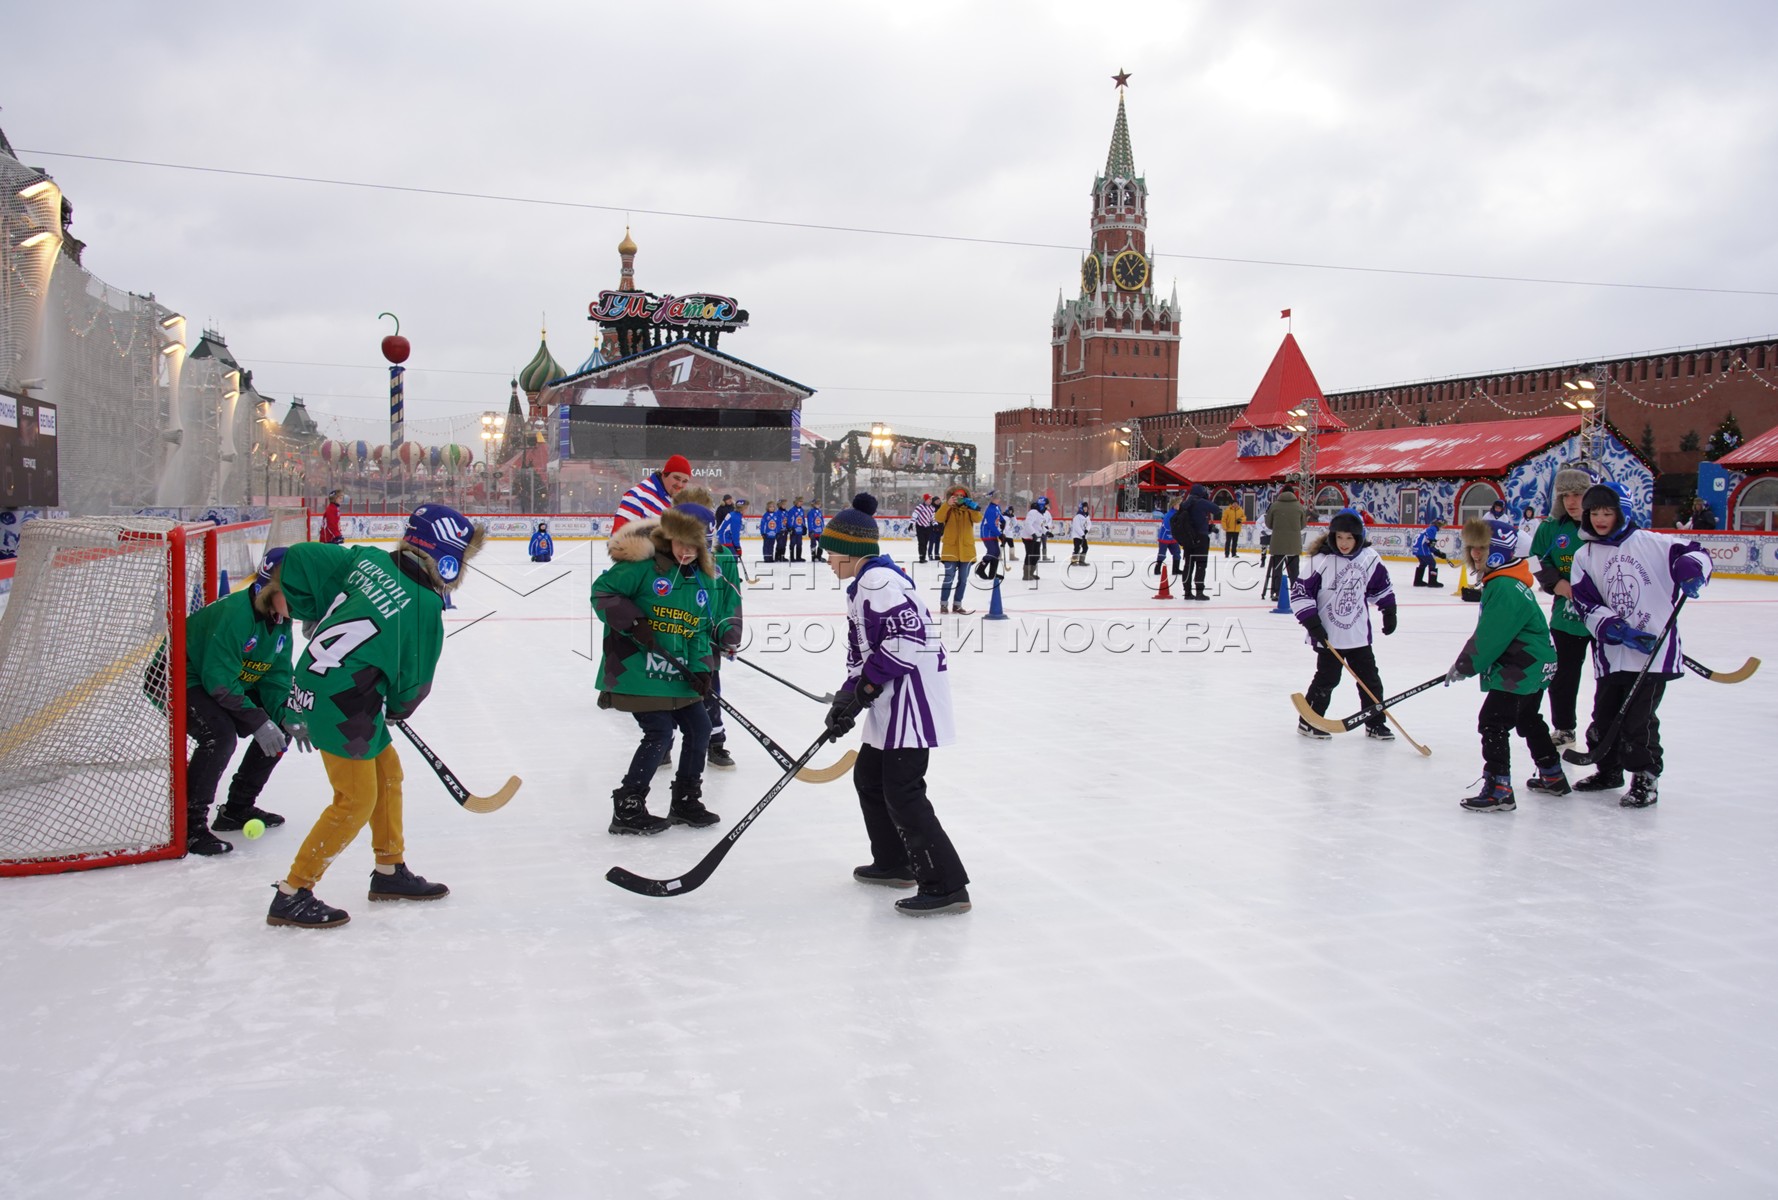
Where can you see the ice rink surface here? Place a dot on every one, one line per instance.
(1208, 958)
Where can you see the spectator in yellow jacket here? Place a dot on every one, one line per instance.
(956, 519)
(1232, 519)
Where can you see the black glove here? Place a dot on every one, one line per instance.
(1316, 629)
(1389, 620)
(700, 683)
(642, 635)
(846, 709)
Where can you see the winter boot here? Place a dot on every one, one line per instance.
(895, 877)
(1602, 780)
(403, 884)
(688, 805)
(1496, 795)
(229, 818)
(943, 608)
(1549, 780)
(932, 904)
(1309, 731)
(1381, 733)
(718, 755)
(304, 910)
(1420, 576)
(199, 839)
(1644, 790)
(1563, 738)
(957, 610)
(629, 812)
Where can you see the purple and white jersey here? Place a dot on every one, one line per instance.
(1337, 589)
(1636, 579)
(891, 641)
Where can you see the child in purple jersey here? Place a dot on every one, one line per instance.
(896, 678)
(1626, 582)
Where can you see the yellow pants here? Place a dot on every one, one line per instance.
(364, 789)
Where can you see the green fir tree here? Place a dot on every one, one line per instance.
(1647, 445)
(1726, 438)
(1689, 443)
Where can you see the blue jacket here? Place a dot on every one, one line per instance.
(729, 532)
(989, 530)
(1426, 545)
(1165, 536)
(817, 522)
(768, 524)
(796, 519)
(542, 546)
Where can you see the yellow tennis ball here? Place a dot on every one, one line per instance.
(253, 828)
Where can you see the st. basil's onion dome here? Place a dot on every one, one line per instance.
(542, 368)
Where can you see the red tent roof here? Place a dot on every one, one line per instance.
(1153, 474)
(1762, 451)
(1418, 451)
(1287, 383)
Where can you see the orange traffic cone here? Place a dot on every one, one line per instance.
(1462, 580)
(1166, 592)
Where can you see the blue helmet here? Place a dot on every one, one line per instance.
(267, 565)
(445, 535)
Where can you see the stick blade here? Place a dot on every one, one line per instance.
(488, 804)
(632, 882)
(1325, 724)
(1745, 670)
(829, 774)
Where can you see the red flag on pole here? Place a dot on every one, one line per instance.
(1285, 315)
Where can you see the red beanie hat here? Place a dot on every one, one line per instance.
(677, 463)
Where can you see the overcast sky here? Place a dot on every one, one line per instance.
(1625, 142)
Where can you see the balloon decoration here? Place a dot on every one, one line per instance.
(456, 458)
(379, 454)
(359, 452)
(333, 454)
(410, 455)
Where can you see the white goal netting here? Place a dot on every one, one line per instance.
(89, 717)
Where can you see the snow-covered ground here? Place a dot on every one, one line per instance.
(1207, 957)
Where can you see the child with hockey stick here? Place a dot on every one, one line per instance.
(896, 679)
(1626, 585)
(237, 682)
(379, 631)
(1427, 555)
(657, 596)
(1080, 525)
(1332, 600)
(1511, 651)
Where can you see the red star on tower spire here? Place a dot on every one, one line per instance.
(1122, 78)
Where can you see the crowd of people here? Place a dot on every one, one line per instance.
(672, 607)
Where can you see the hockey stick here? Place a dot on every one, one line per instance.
(1348, 724)
(1378, 703)
(706, 866)
(827, 699)
(1592, 754)
(805, 773)
(1736, 676)
(462, 795)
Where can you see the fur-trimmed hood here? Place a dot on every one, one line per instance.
(640, 540)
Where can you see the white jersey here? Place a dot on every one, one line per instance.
(1037, 524)
(891, 641)
(1080, 525)
(1633, 580)
(1340, 591)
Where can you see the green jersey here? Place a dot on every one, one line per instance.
(240, 659)
(378, 634)
(1553, 546)
(1511, 645)
(679, 608)
(725, 601)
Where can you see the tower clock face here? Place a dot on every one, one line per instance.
(1089, 275)
(1130, 270)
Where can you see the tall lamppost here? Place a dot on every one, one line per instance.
(882, 441)
(1304, 424)
(493, 433)
(1580, 399)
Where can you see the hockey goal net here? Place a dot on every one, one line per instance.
(232, 553)
(92, 722)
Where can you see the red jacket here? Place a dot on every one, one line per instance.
(330, 525)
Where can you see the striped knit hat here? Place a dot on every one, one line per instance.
(853, 531)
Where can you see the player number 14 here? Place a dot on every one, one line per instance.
(329, 647)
